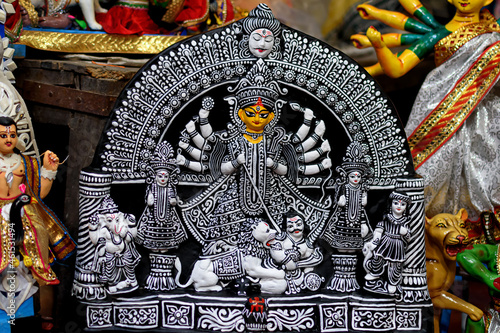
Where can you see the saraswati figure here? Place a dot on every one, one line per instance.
(454, 122)
(160, 229)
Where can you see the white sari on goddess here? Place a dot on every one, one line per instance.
(465, 171)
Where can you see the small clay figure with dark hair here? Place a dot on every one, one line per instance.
(386, 252)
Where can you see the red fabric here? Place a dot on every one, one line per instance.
(193, 10)
(128, 21)
(13, 23)
(230, 11)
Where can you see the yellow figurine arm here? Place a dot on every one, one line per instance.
(362, 41)
(393, 66)
(375, 70)
(392, 19)
(410, 5)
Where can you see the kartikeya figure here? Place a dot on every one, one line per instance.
(386, 252)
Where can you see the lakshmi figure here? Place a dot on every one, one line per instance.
(455, 120)
(386, 252)
(348, 227)
(160, 228)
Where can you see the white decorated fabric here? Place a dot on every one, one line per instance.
(465, 171)
(48, 174)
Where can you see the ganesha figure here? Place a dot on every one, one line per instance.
(113, 232)
(160, 227)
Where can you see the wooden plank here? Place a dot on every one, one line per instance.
(103, 86)
(68, 98)
(58, 78)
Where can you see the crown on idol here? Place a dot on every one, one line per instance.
(163, 157)
(108, 206)
(396, 195)
(355, 159)
(258, 87)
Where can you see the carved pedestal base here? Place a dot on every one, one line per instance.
(177, 311)
(344, 276)
(377, 286)
(161, 276)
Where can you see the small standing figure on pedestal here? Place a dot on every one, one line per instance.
(113, 233)
(348, 228)
(387, 249)
(160, 228)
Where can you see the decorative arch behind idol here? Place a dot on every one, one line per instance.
(169, 90)
(253, 178)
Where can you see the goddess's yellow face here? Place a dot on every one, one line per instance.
(255, 117)
(469, 6)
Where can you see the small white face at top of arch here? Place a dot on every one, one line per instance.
(261, 42)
